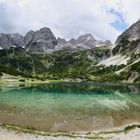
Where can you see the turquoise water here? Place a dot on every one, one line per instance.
(70, 106)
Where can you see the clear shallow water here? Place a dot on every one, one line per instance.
(72, 107)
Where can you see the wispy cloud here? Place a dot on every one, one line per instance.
(69, 18)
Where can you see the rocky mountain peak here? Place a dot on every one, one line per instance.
(86, 37)
(132, 33)
(40, 41)
(72, 41)
(61, 41)
(129, 41)
(45, 30)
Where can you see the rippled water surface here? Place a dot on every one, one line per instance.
(76, 107)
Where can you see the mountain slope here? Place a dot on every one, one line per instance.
(59, 64)
(85, 58)
(128, 49)
(129, 41)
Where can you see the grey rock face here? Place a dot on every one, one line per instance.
(129, 41)
(86, 41)
(5, 41)
(72, 41)
(43, 41)
(108, 43)
(36, 42)
(29, 38)
(132, 33)
(40, 41)
(61, 41)
(85, 38)
(18, 40)
(11, 40)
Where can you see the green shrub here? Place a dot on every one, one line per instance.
(22, 80)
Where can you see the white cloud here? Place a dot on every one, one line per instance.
(129, 8)
(67, 18)
(23, 2)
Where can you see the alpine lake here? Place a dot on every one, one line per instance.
(70, 107)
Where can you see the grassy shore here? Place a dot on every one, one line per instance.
(10, 80)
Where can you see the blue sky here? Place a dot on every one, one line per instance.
(69, 18)
(119, 24)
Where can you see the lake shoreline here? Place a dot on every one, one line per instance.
(9, 132)
(17, 80)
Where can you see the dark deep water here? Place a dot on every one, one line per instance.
(76, 107)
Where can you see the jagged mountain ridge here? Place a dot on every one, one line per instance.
(34, 41)
(43, 41)
(86, 41)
